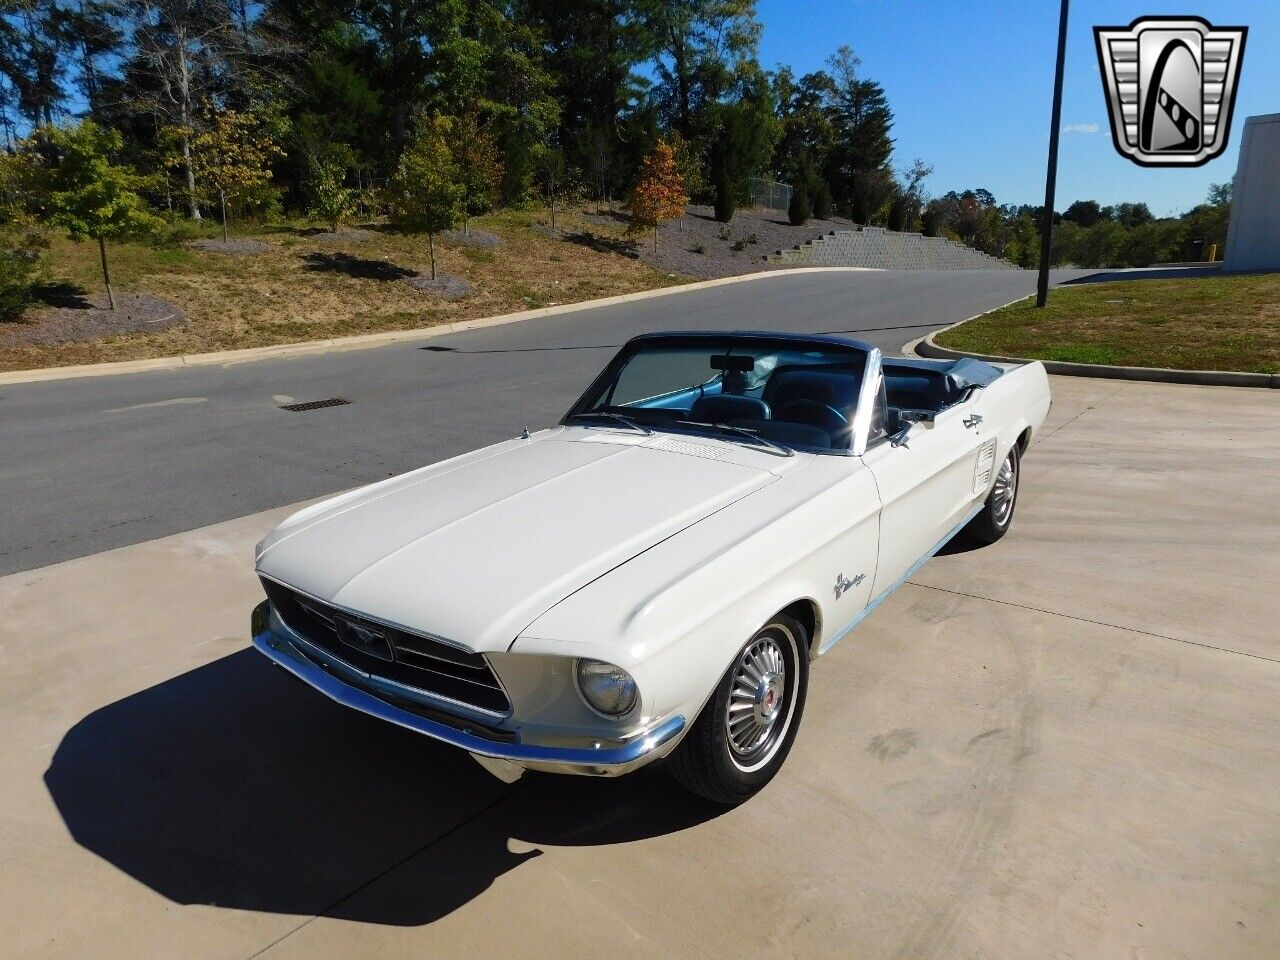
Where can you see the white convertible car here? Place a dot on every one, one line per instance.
(653, 576)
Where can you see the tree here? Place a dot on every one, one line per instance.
(1085, 213)
(701, 44)
(862, 120)
(548, 161)
(426, 193)
(89, 196)
(34, 38)
(800, 209)
(476, 154)
(232, 156)
(22, 247)
(659, 193)
(331, 199)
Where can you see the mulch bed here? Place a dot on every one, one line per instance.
(91, 318)
(446, 286)
(473, 238)
(344, 235)
(758, 231)
(237, 247)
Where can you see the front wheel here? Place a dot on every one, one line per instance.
(745, 731)
(993, 521)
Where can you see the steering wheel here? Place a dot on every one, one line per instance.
(813, 413)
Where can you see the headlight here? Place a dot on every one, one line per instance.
(606, 689)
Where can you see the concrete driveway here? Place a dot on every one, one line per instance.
(1064, 745)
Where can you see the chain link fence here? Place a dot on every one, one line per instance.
(770, 193)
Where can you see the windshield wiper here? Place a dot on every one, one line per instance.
(744, 432)
(617, 418)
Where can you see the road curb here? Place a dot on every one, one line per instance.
(361, 341)
(927, 347)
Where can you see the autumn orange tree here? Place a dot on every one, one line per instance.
(659, 194)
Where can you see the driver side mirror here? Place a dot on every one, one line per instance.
(907, 419)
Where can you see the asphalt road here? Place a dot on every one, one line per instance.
(97, 463)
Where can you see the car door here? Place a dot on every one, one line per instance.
(928, 485)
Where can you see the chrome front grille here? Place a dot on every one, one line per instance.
(422, 663)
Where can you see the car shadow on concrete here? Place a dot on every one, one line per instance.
(235, 785)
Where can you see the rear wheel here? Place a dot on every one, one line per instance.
(993, 521)
(744, 733)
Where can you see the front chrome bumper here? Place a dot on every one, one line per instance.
(603, 761)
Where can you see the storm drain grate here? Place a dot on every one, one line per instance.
(315, 404)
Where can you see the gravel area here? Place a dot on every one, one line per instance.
(90, 317)
(237, 247)
(473, 238)
(445, 285)
(699, 229)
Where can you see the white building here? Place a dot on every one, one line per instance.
(1253, 235)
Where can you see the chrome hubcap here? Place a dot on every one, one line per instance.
(1005, 489)
(757, 698)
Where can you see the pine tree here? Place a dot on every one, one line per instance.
(800, 209)
(659, 193)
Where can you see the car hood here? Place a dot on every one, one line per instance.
(475, 549)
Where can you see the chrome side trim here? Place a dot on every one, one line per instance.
(281, 651)
(884, 595)
(867, 396)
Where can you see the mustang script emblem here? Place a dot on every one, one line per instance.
(1171, 85)
(843, 584)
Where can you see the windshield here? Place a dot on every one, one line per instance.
(795, 395)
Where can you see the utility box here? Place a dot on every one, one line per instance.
(1253, 233)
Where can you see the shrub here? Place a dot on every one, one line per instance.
(820, 197)
(753, 238)
(726, 202)
(800, 209)
(22, 265)
(726, 233)
(698, 248)
(739, 245)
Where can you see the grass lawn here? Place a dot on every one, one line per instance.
(1201, 323)
(309, 287)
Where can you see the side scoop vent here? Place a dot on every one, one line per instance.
(986, 463)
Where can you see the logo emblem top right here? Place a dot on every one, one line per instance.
(1171, 85)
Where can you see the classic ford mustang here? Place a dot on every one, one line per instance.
(652, 576)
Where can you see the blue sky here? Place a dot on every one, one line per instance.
(971, 83)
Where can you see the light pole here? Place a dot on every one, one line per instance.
(1051, 176)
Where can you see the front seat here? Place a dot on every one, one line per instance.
(728, 408)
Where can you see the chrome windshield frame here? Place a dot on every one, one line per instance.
(868, 396)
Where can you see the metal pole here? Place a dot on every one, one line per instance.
(1051, 176)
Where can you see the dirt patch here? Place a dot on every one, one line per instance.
(473, 238)
(236, 247)
(445, 286)
(89, 318)
(697, 245)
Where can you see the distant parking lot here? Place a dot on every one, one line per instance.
(1063, 745)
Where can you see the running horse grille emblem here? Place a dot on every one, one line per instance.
(1171, 85)
(364, 638)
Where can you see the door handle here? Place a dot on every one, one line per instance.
(972, 421)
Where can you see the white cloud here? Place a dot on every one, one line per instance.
(1080, 128)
